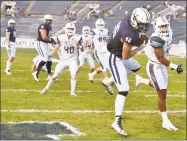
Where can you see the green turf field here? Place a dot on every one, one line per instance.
(20, 91)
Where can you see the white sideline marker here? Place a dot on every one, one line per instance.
(86, 111)
(55, 137)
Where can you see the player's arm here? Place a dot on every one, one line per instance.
(44, 35)
(7, 38)
(57, 46)
(157, 43)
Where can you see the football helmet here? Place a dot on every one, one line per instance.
(85, 31)
(70, 29)
(48, 19)
(11, 21)
(140, 19)
(100, 24)
(161, 25)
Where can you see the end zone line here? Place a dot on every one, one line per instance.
(86, 111)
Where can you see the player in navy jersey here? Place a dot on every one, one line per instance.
(44, 32)
(124, 37)
(10, 44)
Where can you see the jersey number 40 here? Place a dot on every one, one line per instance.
(69, 50)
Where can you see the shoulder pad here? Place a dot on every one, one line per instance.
(157, 42)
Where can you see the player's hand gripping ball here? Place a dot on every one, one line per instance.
(143, 39)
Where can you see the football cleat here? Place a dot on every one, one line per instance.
(118, 127)
(91, 79)
(73, 94)
(108, 86)
(35, 76)
(138, 80)
(8, 72)
(168, 125)
(43, 91)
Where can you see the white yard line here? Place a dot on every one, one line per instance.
(86, 111)
(20, 78)
(168, 95)
(79, 91)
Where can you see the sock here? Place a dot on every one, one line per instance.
(119, 105)
(73, 85)
(8, 65)
(94, 73)
(48, 65)
(55, 60)
(41, 64)
(164, 115)
(50, 82)
(129, 72)
(111, 80)
(145, 81)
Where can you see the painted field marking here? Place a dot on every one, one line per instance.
(74, 130)
(79, 91)
(168, 95)
(86, 111)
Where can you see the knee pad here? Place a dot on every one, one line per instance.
(124, 93)
(135, 70)
(55, 76)
(122, 88)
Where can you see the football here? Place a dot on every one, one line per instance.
(141, 39)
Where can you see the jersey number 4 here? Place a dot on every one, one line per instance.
(69, 50)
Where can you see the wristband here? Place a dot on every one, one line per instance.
(173, 66)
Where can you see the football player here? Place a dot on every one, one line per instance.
(44, 32)
(124, 37)
(68, 44)
(85, 51)
(10, 45)
(157, 52)
(36, 60)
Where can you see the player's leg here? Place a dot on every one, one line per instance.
(91, 63)
(58, 70)
(98, 70)
(73, 71)
(119, 74)
(49, 62)
(81, 61)
(42, 50)
(159, 79)
(11, 56)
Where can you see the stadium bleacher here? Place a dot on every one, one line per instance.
(27, 26)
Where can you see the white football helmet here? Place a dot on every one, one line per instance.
(11, 21)
(85, 31)
(140, 19)
(70, 29)
(48, 18)
(161, 21)
(100, 24)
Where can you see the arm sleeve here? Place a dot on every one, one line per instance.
(157, 42)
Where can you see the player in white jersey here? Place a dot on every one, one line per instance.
(100, 36)
(85, 51)
(157, 52)
(68, 44)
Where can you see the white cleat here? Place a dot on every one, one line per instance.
(138, 80)
(73, 94)
(43, 91)
(168, 125)
(91, 79)
(8, 72)
(108, 86)
(118, 127)
(35, 76)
